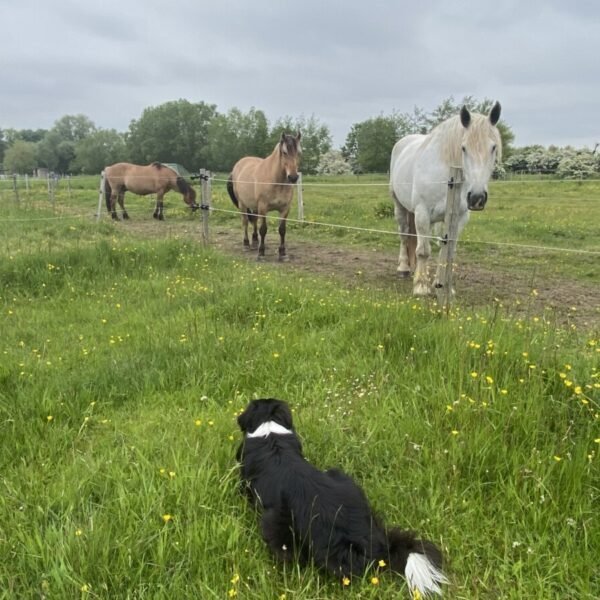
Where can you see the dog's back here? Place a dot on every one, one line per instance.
(323, 516)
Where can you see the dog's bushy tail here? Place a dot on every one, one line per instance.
(419, 560)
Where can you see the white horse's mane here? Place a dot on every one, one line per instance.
(451, 136)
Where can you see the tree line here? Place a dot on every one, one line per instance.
(196, 135)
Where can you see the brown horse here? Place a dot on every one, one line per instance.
(259, 185)
(155, 178)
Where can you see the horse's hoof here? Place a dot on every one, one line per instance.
(114, 217)
(260, 258)
(125, 215)
(403, 274)
(161, 217)
(284, 258)
(155, 216)
(421, 289)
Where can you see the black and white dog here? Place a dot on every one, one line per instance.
(322, 516)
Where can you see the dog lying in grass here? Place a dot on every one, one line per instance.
(322, 516)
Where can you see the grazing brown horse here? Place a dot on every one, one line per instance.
(155, 178)
(259, 185)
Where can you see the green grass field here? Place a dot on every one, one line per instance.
(126, 361)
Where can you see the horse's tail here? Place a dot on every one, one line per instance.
(231, 192)
(251, 217)
(411, 244)
(107, 194)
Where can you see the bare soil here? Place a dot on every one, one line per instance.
(566, 302)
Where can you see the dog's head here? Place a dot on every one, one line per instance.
(265, 410)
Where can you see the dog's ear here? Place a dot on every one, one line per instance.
(281, 413)
(245, 419)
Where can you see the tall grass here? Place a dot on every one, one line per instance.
(126, 361)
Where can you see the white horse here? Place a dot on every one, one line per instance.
(419, 172)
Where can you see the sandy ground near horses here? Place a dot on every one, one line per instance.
(527, 294)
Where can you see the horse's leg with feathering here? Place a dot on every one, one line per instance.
(282, 229)
(254, 232)
(421, 284)
(263, 234)
(113, 203)
(402, 218)
(245, 229)
(158, 211)
(121, 199)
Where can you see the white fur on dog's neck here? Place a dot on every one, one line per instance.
(268, 428)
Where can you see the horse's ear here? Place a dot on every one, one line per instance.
(495, 113)
(465, 117)
(298, 135)
(282, 138)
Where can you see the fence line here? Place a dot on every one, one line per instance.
(208, 208)
(30, 182)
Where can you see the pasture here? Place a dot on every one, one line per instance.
(129, 348)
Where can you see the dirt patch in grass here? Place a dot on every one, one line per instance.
(531, 292)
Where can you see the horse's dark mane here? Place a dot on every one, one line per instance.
(291, 142)
(182, 185)
(157, 164)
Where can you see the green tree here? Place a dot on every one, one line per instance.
(3, 146)
(369, 144)
(316, 139)
(175, 131)
(73, 128)
(235, 135)
(20, 157)
(99, 149)
(56, 150)
(27, 135)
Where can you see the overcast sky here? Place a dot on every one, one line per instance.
(343, 61)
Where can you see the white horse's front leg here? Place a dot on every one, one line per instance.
(401, 214)
(421, 284)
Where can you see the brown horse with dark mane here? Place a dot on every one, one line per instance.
(259, 185)
(154, 178)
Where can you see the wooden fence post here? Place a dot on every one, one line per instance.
(205, 187)
(100, 196)
(300, 199)
(15, 190)
(444, 275)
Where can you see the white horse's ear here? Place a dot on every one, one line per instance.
(465, 117)
(495, 113)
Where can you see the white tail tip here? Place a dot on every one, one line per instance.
(423, 576)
